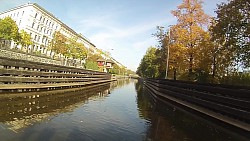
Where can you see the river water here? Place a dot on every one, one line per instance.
(119, 111)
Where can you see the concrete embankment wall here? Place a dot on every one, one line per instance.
(28, 57)
(36, 73)
(228, 104)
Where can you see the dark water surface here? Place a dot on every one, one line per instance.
(120, 111)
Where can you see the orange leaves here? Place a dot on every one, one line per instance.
(58, 43)
(188, 33)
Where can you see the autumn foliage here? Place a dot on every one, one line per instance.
(203, 48)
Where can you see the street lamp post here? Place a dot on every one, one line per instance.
(166, 76)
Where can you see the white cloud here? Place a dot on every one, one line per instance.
(109, 31)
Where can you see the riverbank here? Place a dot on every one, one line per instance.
(20, 73)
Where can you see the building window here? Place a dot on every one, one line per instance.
(33, 24)
(43, 39)
(19, 22)
(35, 15)
(38, 39)
(22, 13)
(17, 14)
(37, 27)
(35, 37)
(41, 18)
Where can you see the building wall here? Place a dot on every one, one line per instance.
(41, 25)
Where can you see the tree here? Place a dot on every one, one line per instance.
(162, 52)
(148, 67)
(115, 69)
(9, 30)
(94, 57)
(91, 61)
(75, 49)
(25, 39)
(231, 31)
(58, 43)
(91, 65)
(189, 30)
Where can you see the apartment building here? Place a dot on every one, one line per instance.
(41, 25)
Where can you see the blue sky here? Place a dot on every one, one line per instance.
(122, 27)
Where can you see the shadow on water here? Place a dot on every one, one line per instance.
(24, 109)
(169, 123)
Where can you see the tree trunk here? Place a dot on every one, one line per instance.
(174, 73)
(214, 66)
(190, 70)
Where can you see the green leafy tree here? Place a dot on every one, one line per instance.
(148, 67)
(91, 61)
(25, 39)
(9, 30)
(231, 31)
(75, 49)
(94, 57)
(58, 43)
(162, 51)
(91, 65)
(115, 69)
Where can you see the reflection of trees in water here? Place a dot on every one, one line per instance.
(169, 123)
(19, 110)
(121, 82)
(143, 103)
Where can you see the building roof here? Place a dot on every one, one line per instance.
(101, 60)
(109, 61)
(52, 16)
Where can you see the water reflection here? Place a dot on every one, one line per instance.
(168, 123)
(121, 110)
(24, 109)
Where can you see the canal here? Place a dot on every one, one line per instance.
(119, 111)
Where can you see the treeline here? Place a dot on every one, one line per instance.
(202, 48)
(59, 47)
(9, 31)
(69, 47)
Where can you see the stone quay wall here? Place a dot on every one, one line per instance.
(28, 57)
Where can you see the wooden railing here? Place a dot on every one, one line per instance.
(19, 73)
(225, 103)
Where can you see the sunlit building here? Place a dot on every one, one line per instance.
(41, 25)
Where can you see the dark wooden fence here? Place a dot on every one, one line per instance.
(20, 74)
(230, 104)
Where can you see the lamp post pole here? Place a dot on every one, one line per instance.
(166, 76)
